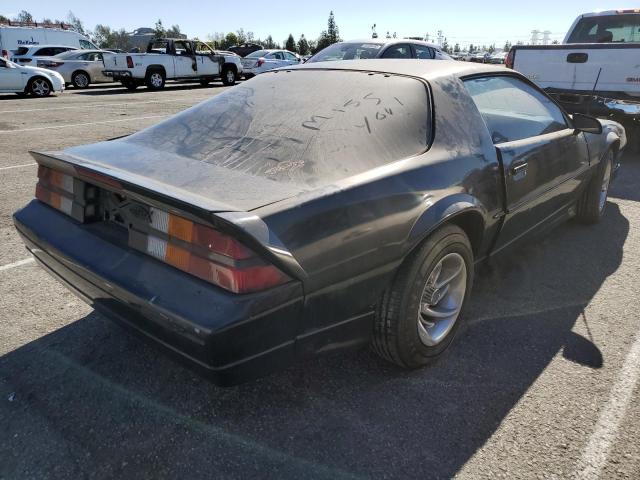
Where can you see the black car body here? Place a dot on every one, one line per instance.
(329, 193)
(245, 49)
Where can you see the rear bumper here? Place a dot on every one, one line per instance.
(599, 105)
(226, 337)
(118, 74)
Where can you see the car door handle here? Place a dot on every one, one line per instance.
(519, 169)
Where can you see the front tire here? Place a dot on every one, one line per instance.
(80, 80)
(155, 80)
(228, 76)
(420, 313)
(39, 87)
(593, 202)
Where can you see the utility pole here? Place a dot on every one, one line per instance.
(534, 37)
(440, 36)
(426, 37)
(545, 37)
(373, 31)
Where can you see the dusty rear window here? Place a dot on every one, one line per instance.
(307, 127)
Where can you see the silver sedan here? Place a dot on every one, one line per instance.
(79, 68)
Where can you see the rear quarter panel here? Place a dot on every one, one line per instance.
(351, 237)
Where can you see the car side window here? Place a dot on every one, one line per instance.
(291, 56)
(279, 55)
(513, 109)
(423, 52)
(397, 51)
(45, 52)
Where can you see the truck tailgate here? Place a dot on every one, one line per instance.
(615, 67)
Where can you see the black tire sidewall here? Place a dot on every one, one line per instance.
(30, 87)
(73, 79)
(148, 79)
(448, 240)
(224, 76)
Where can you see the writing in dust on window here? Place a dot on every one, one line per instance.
(383, 108)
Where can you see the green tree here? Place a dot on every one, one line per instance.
(472, 48)
(230, 40)
(507, 46)
(269, 43)
(456, 48)
(174, 32)
(329, 36)
(445, 46)
(303, 46)
(75, 22)
(102, 36)
(160, 30)
(25, 17)
(241, 36)
(492, 48)
(4, 19)
(290, 44)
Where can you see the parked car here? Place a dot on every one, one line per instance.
(245, 49)
(247, 232)
(15, 35)
(380, 48)
(113, 50)
(480, 57)
(497, 58)
(172, 59)
(38, 82)
(594, 70)
(262, 61)
(29, 54)
(79, 68)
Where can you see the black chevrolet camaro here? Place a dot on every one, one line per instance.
(323, 207)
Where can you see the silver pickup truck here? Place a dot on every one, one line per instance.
(596, 70)
(172, 59)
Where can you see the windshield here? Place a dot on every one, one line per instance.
(271, 127)
(347, 51)
(607, 28)
(257, 54)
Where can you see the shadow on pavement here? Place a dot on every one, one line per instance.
(626, 183)
(116, 89)
(89, 398)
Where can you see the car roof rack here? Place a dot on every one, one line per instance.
(11, 23)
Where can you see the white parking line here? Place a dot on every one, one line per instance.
(99, 105)
(19, 263)
(84, 124)
(18, 166)
(595, 454)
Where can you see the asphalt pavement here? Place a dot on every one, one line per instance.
(541, 383)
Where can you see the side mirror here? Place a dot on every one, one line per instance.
(587, 124)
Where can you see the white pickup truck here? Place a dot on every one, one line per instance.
(172, 59)
(596, 70)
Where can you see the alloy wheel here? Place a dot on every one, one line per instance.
(442, 299)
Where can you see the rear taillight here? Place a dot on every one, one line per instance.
(66, 193)
(260, 62)
(5, 54)
(50, 64)
(129, 61)
(511, 56)
(205, 253)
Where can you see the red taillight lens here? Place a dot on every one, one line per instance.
(5, 54)
(66, 193)
(129, 61)
(260, 62)
(511, 56)
(206, 253)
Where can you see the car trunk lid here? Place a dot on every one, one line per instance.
(200, 184)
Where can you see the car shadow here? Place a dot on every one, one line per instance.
(626, 183)
(89, 398)
(169, 87)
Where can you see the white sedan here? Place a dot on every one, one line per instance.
(23, 80)
(261, 61)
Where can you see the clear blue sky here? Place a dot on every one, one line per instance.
(462, 21)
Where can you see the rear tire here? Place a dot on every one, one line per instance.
(593, 202)
(420, 313)
(39, 87)
(155, 79)
(204, 82)
(129, 84)
(80, 80)
(228, 76)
